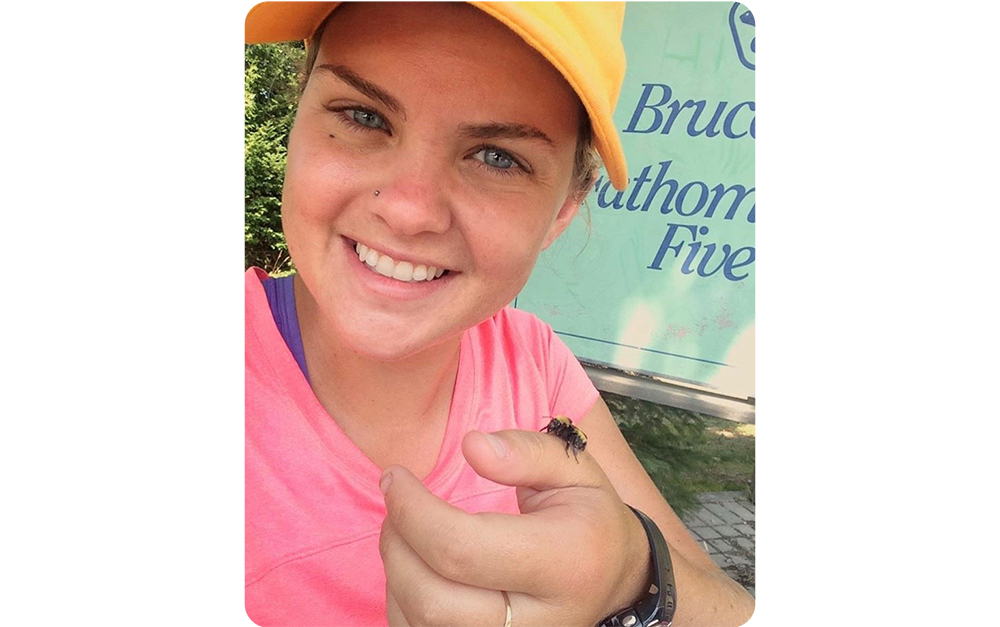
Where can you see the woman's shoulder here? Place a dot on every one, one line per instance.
(254, 274)
(532, 351)
(519, 323)
(515, 333)
(253, 282)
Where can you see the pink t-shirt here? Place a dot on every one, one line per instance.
(313, 506)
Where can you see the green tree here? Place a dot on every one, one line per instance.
(272, 73)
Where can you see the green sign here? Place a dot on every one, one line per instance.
(663, 283)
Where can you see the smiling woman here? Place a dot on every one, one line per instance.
(473, 177)
(395, 469)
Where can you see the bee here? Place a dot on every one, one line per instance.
(563, 428)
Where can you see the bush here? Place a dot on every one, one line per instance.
(271, 83)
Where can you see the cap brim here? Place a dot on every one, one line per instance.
(271, 22)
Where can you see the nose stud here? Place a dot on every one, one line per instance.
(376, 192)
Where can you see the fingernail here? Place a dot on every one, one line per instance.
(498, 445)
(385, 482)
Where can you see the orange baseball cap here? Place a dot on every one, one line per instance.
(580, 39)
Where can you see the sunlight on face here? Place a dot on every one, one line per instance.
(468, 136)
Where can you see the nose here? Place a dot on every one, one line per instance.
(412, 201)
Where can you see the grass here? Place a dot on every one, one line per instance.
(686, 453)
(730, 447)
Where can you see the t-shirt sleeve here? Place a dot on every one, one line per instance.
(570, 391)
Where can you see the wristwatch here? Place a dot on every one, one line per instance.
(656, 608)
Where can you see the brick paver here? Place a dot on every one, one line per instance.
(722, 512)
(707, 533)
(724, 526)
(739, 510)
(727, 531)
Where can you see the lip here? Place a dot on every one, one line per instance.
(386, 287)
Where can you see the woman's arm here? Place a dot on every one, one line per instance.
(705, 595)
(574, 555)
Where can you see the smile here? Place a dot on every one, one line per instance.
(404, 271)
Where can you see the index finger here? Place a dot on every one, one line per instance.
(422, 596)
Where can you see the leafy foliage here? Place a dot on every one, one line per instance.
(272, 73)
(669, 443)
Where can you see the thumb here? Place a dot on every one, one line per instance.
(529, 459)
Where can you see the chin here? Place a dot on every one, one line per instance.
(387, 345)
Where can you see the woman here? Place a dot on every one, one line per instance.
(396, 472)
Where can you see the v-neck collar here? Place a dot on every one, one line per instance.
(343, 453)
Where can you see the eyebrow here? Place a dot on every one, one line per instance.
(365, 86)
(489, 130)
(504, 130)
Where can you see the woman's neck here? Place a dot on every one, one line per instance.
(376, 401)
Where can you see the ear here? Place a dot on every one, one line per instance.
(566, 214)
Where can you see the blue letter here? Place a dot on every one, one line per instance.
(732, 265)
(639, 180)
(727, 126)
(657, 184)
(602, 199)
(720, 191)
(666, 244)
(647, 89)
(710, 129)
(683, 194)
(675, 110)
(709, 251)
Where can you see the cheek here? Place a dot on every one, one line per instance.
(319, 180)
(510, 233)
(507, 254)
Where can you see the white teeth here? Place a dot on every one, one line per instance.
(402, 271)
(385, 265)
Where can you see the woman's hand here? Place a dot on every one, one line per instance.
(574, 555)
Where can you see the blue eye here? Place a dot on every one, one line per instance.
(496, 158)
(369, 119)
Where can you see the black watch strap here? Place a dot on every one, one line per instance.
(657, 606)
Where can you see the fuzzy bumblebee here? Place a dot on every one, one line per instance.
(563, 428)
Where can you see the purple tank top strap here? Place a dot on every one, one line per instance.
(281, 298)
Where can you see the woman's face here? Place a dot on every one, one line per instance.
(431, 134)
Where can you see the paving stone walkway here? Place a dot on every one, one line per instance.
(724, 525)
